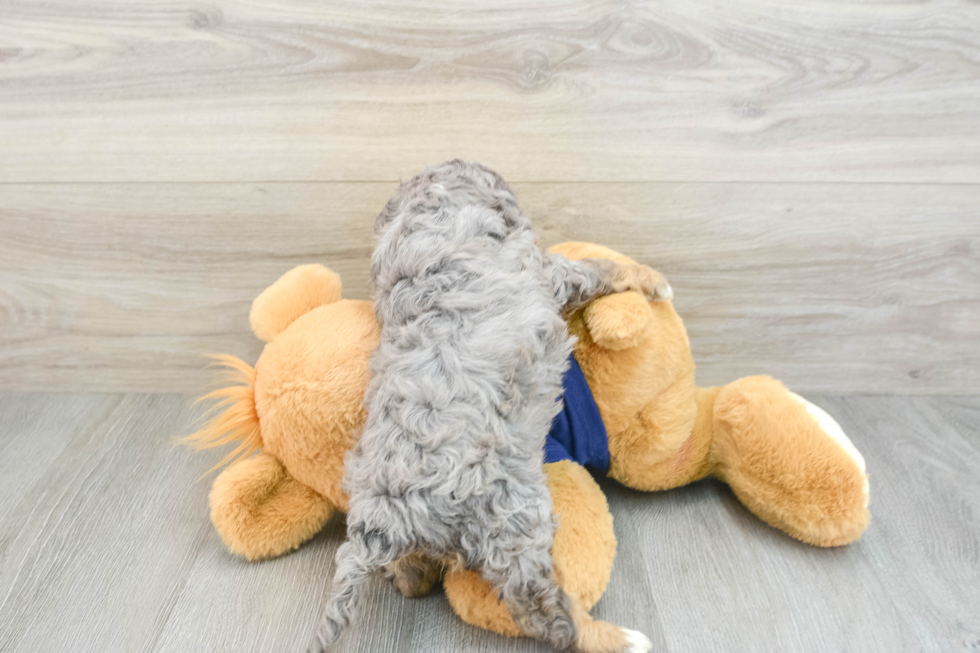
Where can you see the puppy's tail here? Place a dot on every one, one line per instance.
(352, 575)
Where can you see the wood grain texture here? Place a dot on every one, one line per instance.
(105, 546)
(838, 288)
(101, 524)
(759, 90)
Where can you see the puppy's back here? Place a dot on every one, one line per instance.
(473, 345)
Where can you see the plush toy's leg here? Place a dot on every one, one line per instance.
(602, 637)
(583, 553)
(261, 511)
(789, 462)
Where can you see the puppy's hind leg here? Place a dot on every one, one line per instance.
(363, 553)
(526, 582)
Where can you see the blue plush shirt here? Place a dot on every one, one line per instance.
(577, 432)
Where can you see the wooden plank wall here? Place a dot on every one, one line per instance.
(808, 175)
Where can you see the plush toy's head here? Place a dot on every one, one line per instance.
(301, 405)
(310, 378)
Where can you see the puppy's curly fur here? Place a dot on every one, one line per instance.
(464, 387)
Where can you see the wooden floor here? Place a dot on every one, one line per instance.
(105, 546)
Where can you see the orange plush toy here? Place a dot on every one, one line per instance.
(300, 408)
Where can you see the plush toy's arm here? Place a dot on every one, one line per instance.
(261, 511)
(615, 321)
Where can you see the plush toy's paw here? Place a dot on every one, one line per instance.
(596, 636)
(637, 642)
(296, 293)
(618, 321)
(642, 279)
(261, 511)
(612, 639)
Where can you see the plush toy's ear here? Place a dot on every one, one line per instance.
(297, 292)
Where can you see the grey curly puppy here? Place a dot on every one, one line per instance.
(464, 386)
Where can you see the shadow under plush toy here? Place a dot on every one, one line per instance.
(301, 406)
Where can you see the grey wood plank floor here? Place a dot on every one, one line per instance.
(105, 545)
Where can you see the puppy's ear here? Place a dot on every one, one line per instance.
(618, 321)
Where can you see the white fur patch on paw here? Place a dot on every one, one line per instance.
(830, 426)
(636, 642)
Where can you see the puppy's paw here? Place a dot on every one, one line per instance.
(644, 280)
